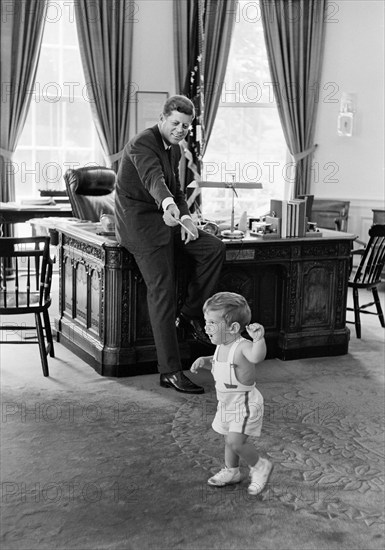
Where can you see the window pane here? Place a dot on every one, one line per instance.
(48, 74)
(48, 123)
(79, 125)
(51, 29)
(49, 169)
(68, 24)
(59, 126)
(247, 141)
(73, 74)
(247, 75)
(24, 172)
(254, 135)
(74, 158)
(26, 135)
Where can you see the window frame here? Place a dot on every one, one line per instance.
(66, 94)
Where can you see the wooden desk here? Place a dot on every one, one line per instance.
(296, 288)
(12, 212)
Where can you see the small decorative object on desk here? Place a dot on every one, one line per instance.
(211, 227)
(242, 224)
(235, 234)
(108, 223)
(274, 225)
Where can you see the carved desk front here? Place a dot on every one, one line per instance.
(297, 288)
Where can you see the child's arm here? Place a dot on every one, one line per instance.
(254, 352)
(257, 351)
(202, 363)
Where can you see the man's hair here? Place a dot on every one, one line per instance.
(234, 307)
(179, 103)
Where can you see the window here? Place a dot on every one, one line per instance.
(59, 132)
(247, 139)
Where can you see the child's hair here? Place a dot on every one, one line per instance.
(234, 307)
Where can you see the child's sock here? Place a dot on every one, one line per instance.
(234, 470)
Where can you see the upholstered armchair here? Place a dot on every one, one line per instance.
(91, 191)
(330, 214)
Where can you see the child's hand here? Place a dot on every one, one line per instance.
(256, 331)
(198, 364)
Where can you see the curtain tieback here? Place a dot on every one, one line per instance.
(115, 156)
(6, 154)
(299, 156)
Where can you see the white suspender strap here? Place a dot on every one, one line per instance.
(230, 358)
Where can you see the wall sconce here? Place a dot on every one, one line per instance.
(346, 114)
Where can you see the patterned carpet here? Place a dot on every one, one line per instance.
(327, 449)
(96, 463)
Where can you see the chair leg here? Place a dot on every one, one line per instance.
(357, 320)
(48, 333)
(378, 306)
(40, 336)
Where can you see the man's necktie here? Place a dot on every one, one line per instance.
(169, 154)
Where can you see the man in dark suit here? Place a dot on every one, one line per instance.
(149, 203)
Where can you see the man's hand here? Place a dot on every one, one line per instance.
(171, 215)
(186, 235)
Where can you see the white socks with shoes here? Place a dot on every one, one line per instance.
(259, 475)
(227, 476)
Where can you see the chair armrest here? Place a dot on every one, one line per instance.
(357, 252)
(361, 243)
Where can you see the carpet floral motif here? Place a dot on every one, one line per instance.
(327, 460)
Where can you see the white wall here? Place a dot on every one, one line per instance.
(153, 49)
(352, 168)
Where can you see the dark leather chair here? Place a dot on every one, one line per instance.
(25, 286)
(91, 191)
(368, 276)
(330, 214)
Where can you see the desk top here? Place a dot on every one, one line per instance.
(93, 233)
(13, 212)
(41, 206)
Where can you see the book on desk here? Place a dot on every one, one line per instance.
(292, 216)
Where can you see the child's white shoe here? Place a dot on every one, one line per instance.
(259, 476)
(226, 476)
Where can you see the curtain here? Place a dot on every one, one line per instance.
(22, 25)
(186, 47)
(294, 35)
(105, 32)
(218, 24)
(187, 43)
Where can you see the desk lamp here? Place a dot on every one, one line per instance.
(231, 233)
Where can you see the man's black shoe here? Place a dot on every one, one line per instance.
(193, 329)
(179, 382)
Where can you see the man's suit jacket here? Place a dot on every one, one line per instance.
(145, 178)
